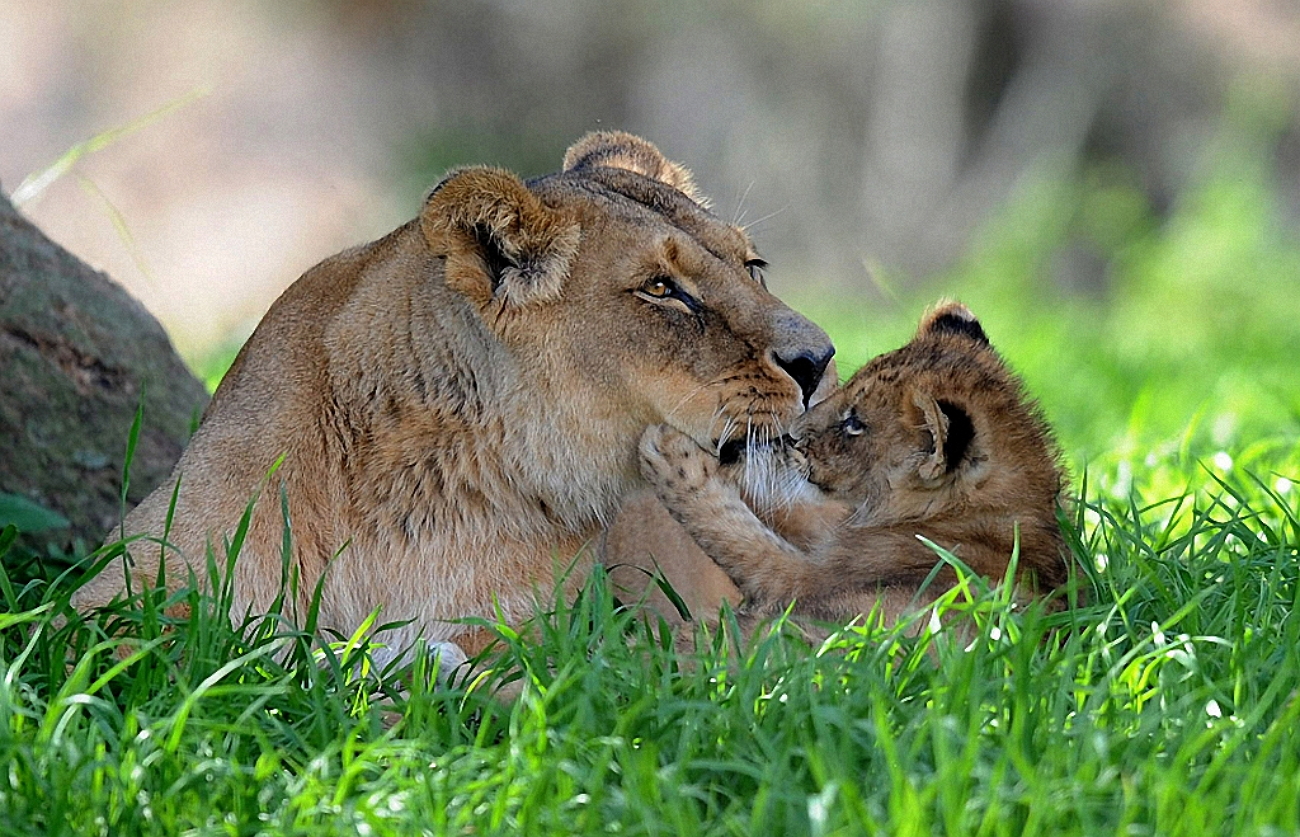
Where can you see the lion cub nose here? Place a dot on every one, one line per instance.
(807, 368)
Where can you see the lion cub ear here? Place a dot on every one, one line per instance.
(500, 242)
(952, 445)
(619, 150)
(952, 318)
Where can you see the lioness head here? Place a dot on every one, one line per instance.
(941, 432)
(626, 297)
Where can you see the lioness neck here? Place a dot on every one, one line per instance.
(467, 427)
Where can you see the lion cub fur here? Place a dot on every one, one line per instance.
(455, 408)
(937, 440)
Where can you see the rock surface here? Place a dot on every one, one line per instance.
(76, 354)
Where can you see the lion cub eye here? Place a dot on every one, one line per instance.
(755, 267)
(852, 425)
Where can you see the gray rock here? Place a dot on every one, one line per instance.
(76, 353)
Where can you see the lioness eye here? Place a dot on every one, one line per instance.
(755, 267)
(658, 288)
(664, 288)
(852, 425)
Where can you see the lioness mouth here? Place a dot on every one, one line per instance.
(730, 451)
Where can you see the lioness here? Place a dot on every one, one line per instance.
(456, 406)
(937, 439)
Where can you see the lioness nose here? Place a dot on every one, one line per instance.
(807, 368)
(802, 349)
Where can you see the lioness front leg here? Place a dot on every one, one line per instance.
(762, 564)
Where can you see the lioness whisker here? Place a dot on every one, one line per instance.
(728, 428)
(769, 216)
(688, 396)
(738, 217)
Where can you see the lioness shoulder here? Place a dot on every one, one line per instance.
(937, 440)
(439, 415)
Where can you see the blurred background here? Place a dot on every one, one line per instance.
(1113, 185)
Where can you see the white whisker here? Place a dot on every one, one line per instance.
(738, 217)
(688, 396)
(728, 428)
(767, 217)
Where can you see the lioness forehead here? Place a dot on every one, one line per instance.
(638, 200)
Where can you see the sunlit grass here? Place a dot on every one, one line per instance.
(1162, 702)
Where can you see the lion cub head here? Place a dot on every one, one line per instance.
(936, 441)
(941, 437)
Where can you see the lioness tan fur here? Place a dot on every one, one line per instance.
(936, 440)
(457, 405)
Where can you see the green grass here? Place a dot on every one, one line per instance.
(1164, 702)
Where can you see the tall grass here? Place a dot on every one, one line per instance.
(1163, 702)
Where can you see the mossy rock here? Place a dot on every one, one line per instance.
(78, 356)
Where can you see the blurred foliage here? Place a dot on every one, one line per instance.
(27, 515)
(429, 156)
(1142, 328)
(1187, 343)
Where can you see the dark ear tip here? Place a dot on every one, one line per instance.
(601, 147)
(620, 150)
(954, 318)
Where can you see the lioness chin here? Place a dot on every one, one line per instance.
(456, 406)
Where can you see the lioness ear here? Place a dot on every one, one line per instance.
(952, 318)
(619, 150)
(952, 436)
(500, 241)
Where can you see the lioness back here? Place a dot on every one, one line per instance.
(451, 410)
(936, 441)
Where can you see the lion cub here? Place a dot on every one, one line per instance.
(937, 440)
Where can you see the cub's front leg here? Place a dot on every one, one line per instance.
(763, 565)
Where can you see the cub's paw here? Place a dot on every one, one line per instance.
(672, 460)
